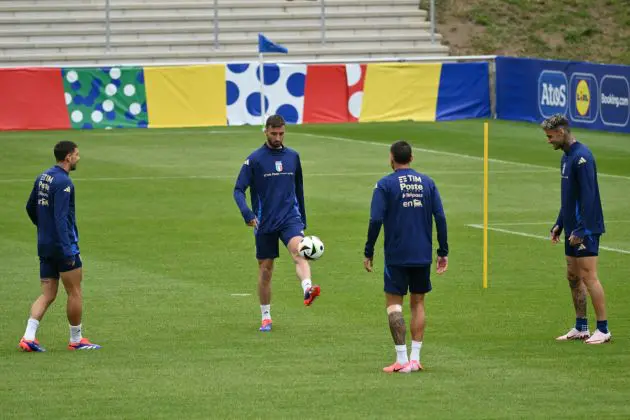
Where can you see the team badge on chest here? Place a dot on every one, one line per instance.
(278, 166)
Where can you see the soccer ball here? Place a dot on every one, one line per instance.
(311, 247)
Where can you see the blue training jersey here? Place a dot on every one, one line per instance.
(51, 208)
(276, 189)
(406, 202)
(580, 205)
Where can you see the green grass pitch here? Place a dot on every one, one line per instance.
(170, 282)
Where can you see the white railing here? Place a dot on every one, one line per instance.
(216, 29)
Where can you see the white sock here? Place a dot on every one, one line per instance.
(306, 284)
(265, 310)
(401, 354)
(415, 350)
(31, 329)
(75, 333)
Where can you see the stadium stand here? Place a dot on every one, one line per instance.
(40, 32)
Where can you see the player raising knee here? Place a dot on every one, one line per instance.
(273, 174)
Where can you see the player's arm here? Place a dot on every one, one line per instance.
(442, 231)
(299, 190)
(243, 182)
(585, 169)
(31, 205)
(556, 230)
(61, 210)
(377, 215)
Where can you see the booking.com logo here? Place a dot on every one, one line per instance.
(552, 93)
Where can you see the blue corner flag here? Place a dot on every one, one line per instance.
(265, 45)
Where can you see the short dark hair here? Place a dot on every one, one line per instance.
(556, 121)
(275, 121)
(63, 149)
(401, 152)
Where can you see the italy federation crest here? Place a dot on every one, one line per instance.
(278, 166)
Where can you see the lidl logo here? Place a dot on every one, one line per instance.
(582, 98)
(552, 93)
(584, 93)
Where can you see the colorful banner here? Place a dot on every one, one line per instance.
(106, 97)
(217, 94)
(355, 78)
(32, 99)
(283, 92)
(464, 91)
(190, 96)
(594, 96)
(397, 92)
(325, 94)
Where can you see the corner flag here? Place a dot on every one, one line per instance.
(265, 45)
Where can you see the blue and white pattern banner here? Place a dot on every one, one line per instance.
(283, 90)
(595, 96)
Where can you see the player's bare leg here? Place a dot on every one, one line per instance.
(49, 293)
(74, 309)
(303, 271)
(588, 274)
(265, 271)
(398, 329)
(578, 294)
(29, 342)
(416, 301)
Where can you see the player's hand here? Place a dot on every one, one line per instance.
(441, 264)
(574, 240)
(253, 223)
(555, 234)
(367, 263)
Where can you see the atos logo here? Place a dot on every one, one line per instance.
(552, 93)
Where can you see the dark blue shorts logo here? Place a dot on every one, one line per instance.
(552, 93)
(615, 101)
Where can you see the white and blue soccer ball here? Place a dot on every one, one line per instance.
(311, 247)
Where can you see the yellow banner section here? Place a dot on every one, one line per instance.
(186, 96)
(399, 91)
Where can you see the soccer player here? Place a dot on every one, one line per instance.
(406, 202)
(51, 208)
(582, 219)
(273, 173)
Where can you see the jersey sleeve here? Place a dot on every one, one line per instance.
(440, 223)
(585, 172)
(61, 211)
(31, 205)
(243, 182)
(378, 209)
(299, 190)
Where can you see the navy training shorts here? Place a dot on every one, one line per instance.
(400, 279)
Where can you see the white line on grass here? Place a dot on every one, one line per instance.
(240, 294)
(459, 155)
(548, 222)
(307, 175)
(546, 238)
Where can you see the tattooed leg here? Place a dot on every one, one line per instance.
(578, 293)
(578, 288)
(397, 326)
